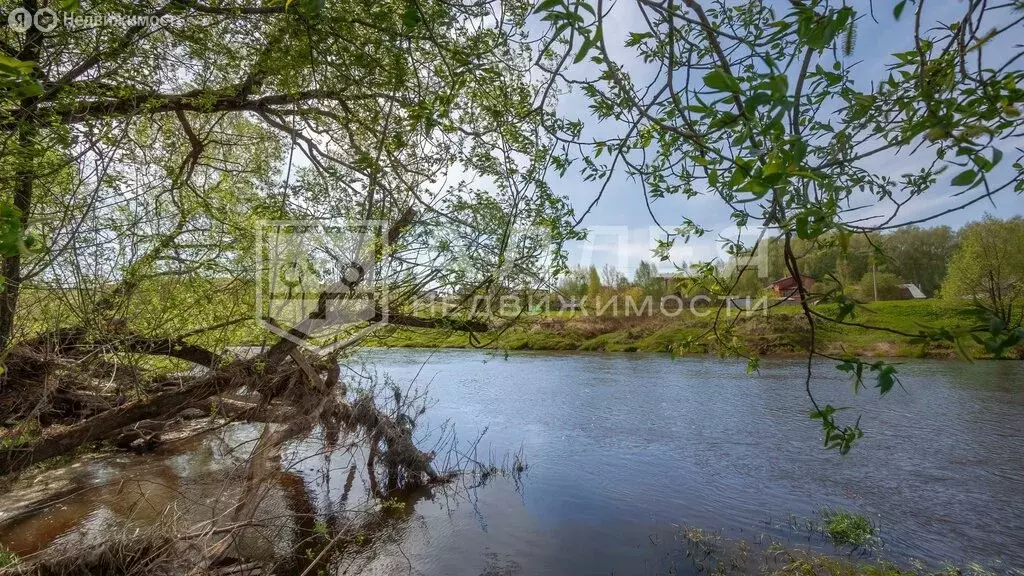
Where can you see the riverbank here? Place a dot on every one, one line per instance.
(778, 331)
(781, 331)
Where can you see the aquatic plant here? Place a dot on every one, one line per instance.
(802, 564)
(712, 553)
(845, 528)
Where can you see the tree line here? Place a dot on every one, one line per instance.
(982, 263)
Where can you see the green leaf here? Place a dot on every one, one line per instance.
(779, 85)
(10, 229)
(547, 5)
(753, 363)
(587, 7)
(722, 121)
(846, 309)
(27, 90)
(757, 99)
(411, 17)
(898, 9)
(588, 43)
(15, 67)
(755, 187)
(886, 376)
(965, 178)
(803, 227)
(962, 350)
(584, 49)
(721, 81)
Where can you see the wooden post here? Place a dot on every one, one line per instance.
(874, 277)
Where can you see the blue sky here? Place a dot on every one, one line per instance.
(620, 222)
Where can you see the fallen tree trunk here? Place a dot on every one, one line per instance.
(313, 403)
(108, 423)
(79, 342)
(291, 397)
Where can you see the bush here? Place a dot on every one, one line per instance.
(988, 269)
(888, 287)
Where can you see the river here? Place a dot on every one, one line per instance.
(624, 450)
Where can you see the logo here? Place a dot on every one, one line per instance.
(19, 20)
(45, 20)
(322, 283)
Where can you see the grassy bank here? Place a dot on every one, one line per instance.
(781, 331)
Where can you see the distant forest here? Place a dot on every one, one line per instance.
(985, 255)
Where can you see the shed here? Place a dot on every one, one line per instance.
(786, 288)
(911, 292)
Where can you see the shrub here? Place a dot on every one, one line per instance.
(988, 269)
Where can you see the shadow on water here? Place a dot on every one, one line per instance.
(628, 455)
(309, 511)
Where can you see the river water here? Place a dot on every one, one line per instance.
(624, 450)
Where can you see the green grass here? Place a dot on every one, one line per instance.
(611, 342)
(8, 559)
(910, 316)
(668, 339)
(522, 340)
(193, 305)
(804, 564)
(782, 332)
(846, 528)
(713, 553)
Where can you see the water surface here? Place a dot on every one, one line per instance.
(624, 448)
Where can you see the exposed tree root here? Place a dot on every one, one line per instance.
(80, 387)
(64, 371)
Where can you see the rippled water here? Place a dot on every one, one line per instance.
(623, 448)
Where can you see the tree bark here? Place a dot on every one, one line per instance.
(79, 342)
(24, 181)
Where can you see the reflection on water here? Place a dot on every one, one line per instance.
(622, 450)
(87, 502)
(90, 497)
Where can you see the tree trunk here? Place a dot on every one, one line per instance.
(24, 180)
(108, 423)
